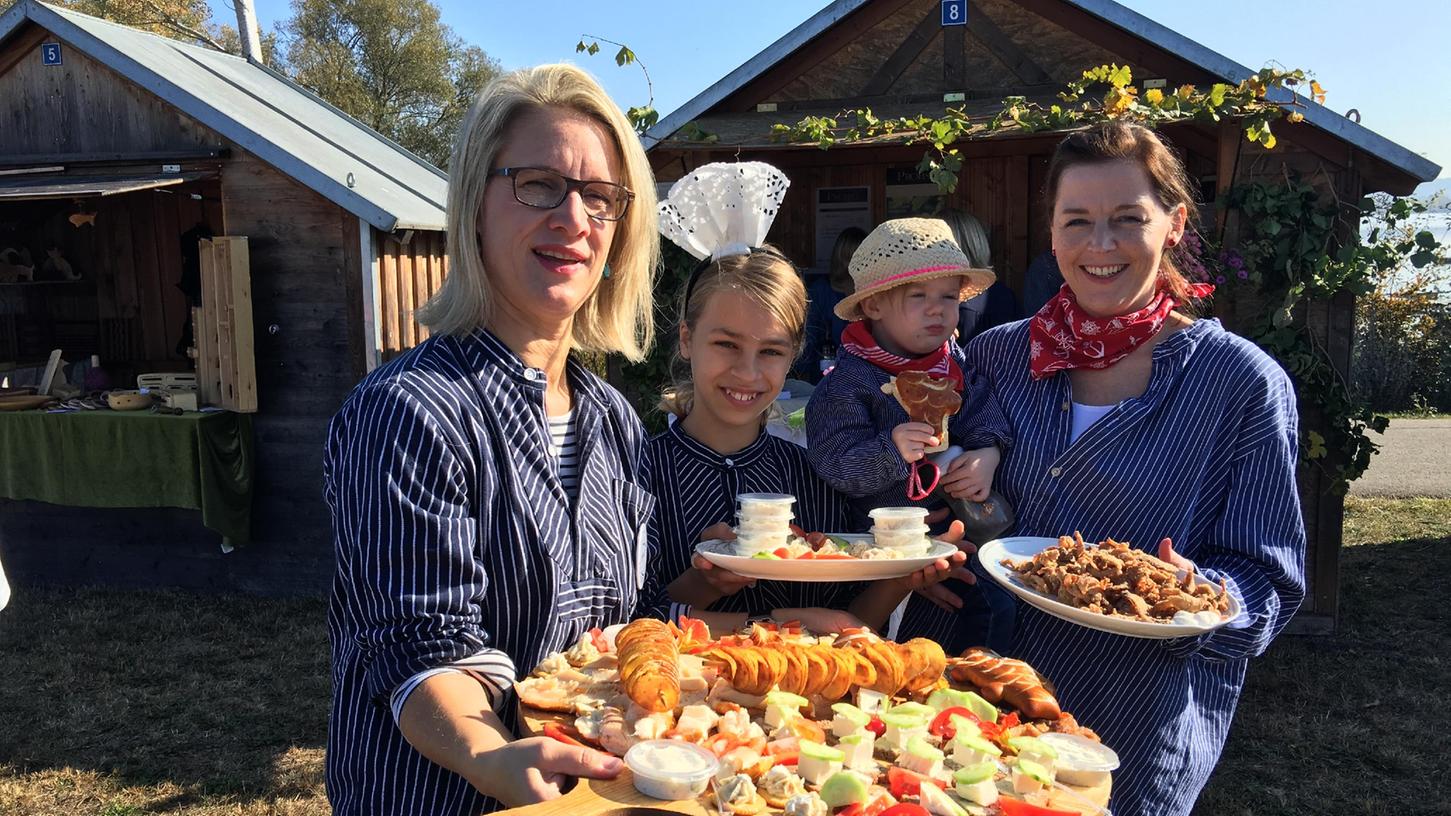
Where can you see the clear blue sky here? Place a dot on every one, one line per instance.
(1390, 59)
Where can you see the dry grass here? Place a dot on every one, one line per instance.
(123, 704)
(1355, 723)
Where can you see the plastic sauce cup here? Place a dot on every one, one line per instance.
(670, 769)
(894, 518)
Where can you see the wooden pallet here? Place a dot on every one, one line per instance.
(225, 364)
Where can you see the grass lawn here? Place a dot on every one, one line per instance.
(121, 703)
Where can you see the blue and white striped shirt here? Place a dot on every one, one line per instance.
(1207, 457)
(697, 488)
(849, 424)
(457, 542)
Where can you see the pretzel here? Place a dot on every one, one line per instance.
(1004, 679)
(928, 399)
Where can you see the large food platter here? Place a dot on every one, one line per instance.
(1021, 548)
(722, 554)
(803, 697)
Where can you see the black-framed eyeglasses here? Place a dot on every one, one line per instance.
(546, 189)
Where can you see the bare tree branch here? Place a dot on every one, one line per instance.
(168, 20)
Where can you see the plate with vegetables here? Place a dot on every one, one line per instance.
(826, 557)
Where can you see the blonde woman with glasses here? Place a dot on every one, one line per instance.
(485, 488)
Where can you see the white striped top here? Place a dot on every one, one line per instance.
(1207, 457)
(457, 545)
(564, 447)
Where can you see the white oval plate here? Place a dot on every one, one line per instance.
(1022, 548)
(722, 554)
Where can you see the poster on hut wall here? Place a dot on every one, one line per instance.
(836, 209)
(910, 193)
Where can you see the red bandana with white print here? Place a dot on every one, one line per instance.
(858, 340)
(1062, 336)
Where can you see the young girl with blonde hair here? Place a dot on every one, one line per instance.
(742, 322)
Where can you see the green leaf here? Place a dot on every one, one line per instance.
(580, 47)
(624, 57)
(1426, 240)
(594, 48)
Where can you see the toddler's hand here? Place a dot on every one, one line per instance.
(912, 438)
(970, 476)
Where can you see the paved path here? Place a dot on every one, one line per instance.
(1414, 460)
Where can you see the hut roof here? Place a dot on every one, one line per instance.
(709, 101)
(264, 113)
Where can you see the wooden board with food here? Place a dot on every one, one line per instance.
(776, 720)
(1109, 586)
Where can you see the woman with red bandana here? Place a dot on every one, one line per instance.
(1139, 422)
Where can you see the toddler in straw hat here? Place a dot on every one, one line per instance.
(910, 276)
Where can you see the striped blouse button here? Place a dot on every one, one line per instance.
(1056, 472)
(530, 374)
(1066, 405)
(730, 463)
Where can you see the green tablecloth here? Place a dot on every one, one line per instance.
(200, 461)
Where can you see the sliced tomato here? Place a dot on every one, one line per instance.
(786, 757)
(990, 731)
(876, 726)
(567, 734)
(832, 557)
(942, 725)
(902, 782)
(781, 552)
(1010, 720)
(784, 745)
(853, 809)
(1017, 807)
(882, 804)
(905, 809)
(695, 629)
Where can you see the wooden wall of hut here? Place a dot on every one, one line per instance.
(83, 109)
(307, 314)
(409, 273)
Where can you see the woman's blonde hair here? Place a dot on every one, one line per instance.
(970, 236)
(765, 276)
(617, 316)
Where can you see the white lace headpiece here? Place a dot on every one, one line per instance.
(723, 209)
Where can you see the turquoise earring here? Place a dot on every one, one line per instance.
(607, 270)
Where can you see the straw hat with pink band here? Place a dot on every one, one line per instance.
(908, 250)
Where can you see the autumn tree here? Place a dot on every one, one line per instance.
(392, 64)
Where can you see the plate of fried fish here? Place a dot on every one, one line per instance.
(1110, 586)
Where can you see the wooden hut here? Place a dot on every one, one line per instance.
(119, 149)
(911, 57)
